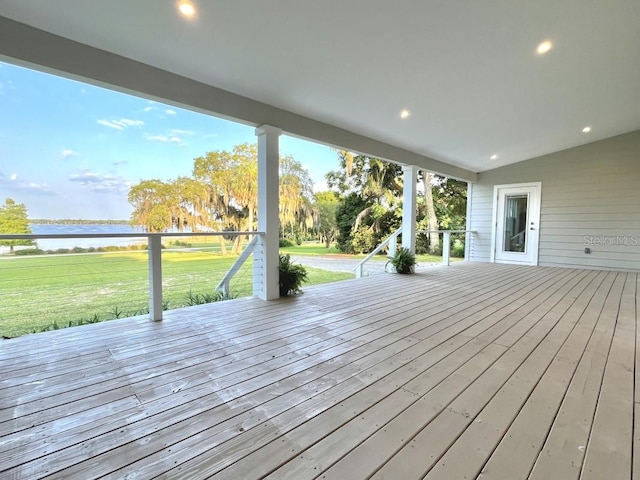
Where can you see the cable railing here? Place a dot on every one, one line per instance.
(446, 241)
(392, 243)
(84, 285)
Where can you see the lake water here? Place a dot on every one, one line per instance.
(53, 244)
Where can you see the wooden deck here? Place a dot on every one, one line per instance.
(471, 371)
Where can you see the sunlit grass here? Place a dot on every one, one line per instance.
(40, 290)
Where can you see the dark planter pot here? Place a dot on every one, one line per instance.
(284, 291)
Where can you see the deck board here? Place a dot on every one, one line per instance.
(471, 371)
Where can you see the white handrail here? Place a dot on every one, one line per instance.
(390, 240)
(446, 242)
(223, 285)
(48, 236)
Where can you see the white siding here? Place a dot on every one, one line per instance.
(590, 198)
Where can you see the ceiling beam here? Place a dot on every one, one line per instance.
(22, 44)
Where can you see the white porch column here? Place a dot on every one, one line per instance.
(265, 256)
(410, 179)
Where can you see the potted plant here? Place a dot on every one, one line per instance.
(403, 260)
(291, 276)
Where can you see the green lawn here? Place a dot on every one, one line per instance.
(36, 291)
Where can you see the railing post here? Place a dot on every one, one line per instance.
(410, 179)
(155, 277)
(446, 247)
(359, 271)
(393, 245)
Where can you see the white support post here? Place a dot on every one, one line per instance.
(266, 256)
(155, 278)
(446, 247)
(393, 246)
(359, 271)
(410, 179)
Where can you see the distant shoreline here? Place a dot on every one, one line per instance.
(75, 221)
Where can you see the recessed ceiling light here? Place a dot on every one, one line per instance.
(544, 47)
(405, 113)
(493, 157)
(586, 129)
(186, 8)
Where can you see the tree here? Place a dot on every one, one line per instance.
(296, 196)
(326, 205)
(221, 194)
(378, 186)
(432, 221)
(14, 220)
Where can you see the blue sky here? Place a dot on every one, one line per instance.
(72, 150)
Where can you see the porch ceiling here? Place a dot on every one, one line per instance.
(468, 73)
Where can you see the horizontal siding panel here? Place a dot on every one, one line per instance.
(561, 261)
(599, 255)
(617, 227)
(591, 183)
(603, 191)
(590, 209)
(620, 217)
(612, 202)
(580, 245)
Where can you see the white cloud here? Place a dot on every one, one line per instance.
(31, 187)
(101, 183)
(13, 177)
(121, 162)
(67, 153)
(109, 124)
(148, 109)
(177, 131)
(170, 112)
(165, 138)
(129, 123)
(158, 138)
(121, 124)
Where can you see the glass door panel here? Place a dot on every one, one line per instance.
(515, 223)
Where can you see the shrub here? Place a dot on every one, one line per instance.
(180, 243)
(363, 240)
(28, 251)
(403, 261)
(285, 242)
(193, 299)
(458, 249)
(291, 276)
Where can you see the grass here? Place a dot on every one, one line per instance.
(41, 291)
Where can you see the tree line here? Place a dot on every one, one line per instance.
(362, 207)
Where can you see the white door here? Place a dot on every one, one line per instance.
(515, 227)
